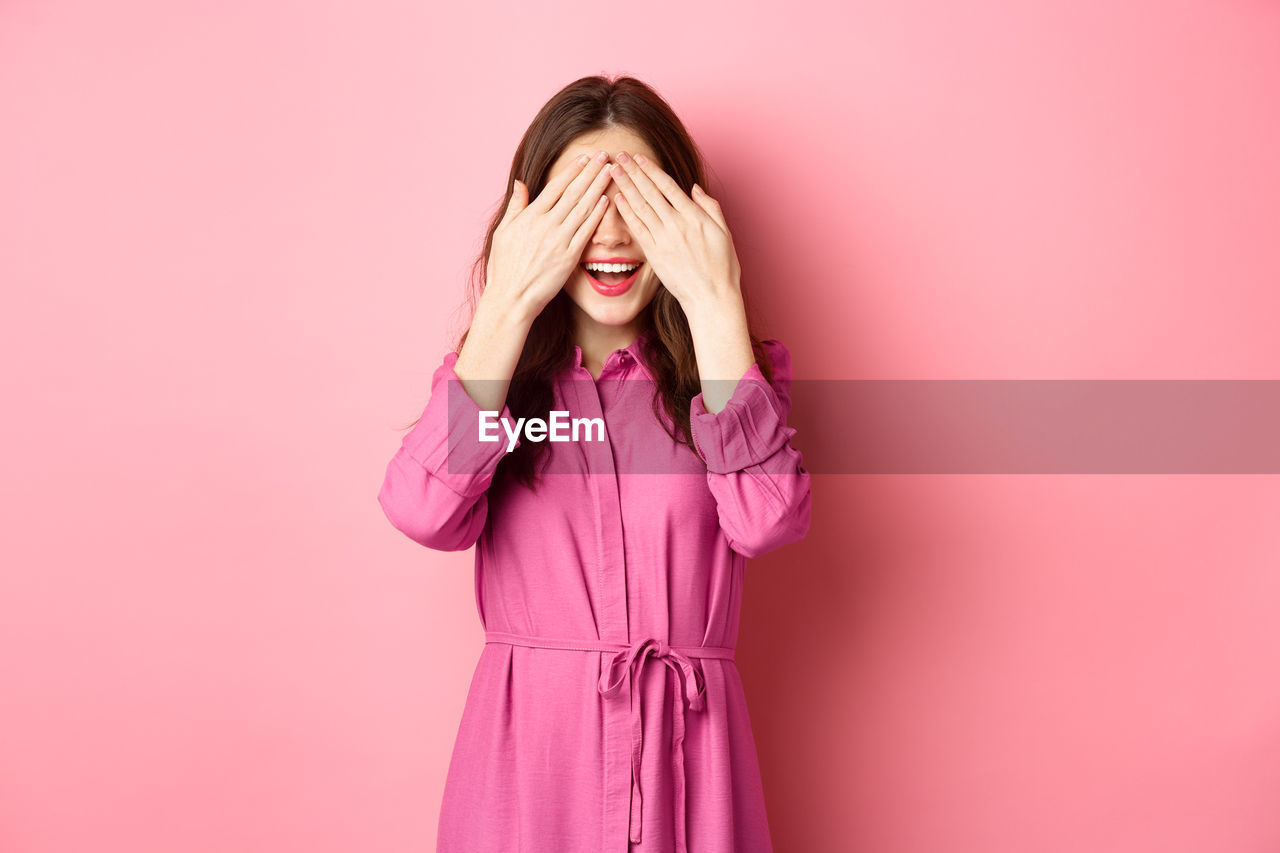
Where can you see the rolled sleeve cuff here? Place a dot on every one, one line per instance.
(446, 439)
(746, 432)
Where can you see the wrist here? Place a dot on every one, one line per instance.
(503, 313)
(716, 310)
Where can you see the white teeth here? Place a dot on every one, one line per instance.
(594, 267)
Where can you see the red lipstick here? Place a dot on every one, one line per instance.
(612, 289)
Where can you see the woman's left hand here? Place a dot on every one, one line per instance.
(685, 239)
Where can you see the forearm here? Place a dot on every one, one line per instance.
(491, 351)
(722, 345)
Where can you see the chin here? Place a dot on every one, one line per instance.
(610, 310)
(611, 315)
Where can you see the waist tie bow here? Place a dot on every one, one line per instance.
(676, 658)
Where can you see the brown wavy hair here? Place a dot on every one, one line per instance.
(588, 105)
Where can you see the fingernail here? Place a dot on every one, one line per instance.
(641, 159)
(603, 156)
(582, 161)
(622, 157)
(615, 170)
(697, 189)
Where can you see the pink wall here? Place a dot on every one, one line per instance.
(231, 242)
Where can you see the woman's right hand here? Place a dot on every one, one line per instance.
(537, 245)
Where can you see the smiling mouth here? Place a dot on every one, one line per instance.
(612, 283)
(611, 278)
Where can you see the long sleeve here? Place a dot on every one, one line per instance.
(435, 489)
(758, 479)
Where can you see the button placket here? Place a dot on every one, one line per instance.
(613, 625)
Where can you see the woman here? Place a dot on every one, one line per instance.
(606, 712)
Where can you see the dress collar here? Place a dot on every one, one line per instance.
(633, 350)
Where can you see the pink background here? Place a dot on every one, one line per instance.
(232, 241)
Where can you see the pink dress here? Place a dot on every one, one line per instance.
(606, 712)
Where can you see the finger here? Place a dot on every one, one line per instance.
(636, 202)
(666, 185)
(515, 204)
(586, 199)
(556, 186)
(635, 225)
(573, 193)
(710, 205)
(589, 226)
(647, 190)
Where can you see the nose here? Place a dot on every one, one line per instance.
(612, 229)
